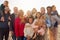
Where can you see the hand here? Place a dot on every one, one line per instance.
(11, 33)
(9, 24)
(28, 37)
(9, 18)
(2, 19)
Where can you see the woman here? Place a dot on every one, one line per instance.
(28, 30)
(42, 28)
(39, 27)
(37, 17)
(55, 22)
(5, 24)
(19, 25)
(5, 4)
(35, 25)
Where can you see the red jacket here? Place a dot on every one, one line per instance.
(19, 27)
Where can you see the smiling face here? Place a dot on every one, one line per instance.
(49, 10)
(20, 13)
(34, 11)
(6, 10)
(5, 3)
(38, 15)
(42, 10)
(28, 13)
(15, 10)
(30, 20)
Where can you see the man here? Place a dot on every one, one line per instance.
(5, 4)
(13, 16)
(48, 16)
(49, 24)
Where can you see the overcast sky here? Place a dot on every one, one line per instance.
(29, 4)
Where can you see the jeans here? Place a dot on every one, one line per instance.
(4, 32)
(14, 37)
(21, 38)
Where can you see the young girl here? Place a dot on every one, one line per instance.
(28, 30)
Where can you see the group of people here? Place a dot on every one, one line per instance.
(32, 26)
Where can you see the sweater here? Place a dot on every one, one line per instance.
(28, 30)
(19, 27)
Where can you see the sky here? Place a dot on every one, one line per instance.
(30, 4)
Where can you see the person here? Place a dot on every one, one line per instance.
(55, 22)
(42, 10)
(35, 26)
(14, 15)
(28, 30)
(5, 4)
(38, 30)
(48, 16)
(38, 15)
(19, 25)
(28, 15)
(54, 11)
(5, 24)
(42, 28)
(55, 14)
(49, 22)
(34, 11)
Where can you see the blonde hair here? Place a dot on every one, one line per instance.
(20, 12)
(37, 14)
(20, 15)
(43, 17)
(41, 21)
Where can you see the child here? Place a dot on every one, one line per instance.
(28, 30)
